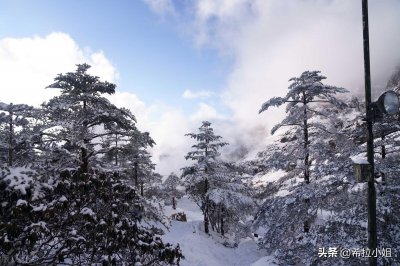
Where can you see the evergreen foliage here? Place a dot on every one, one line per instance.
(78, 185)
(72, 205)
(214, 185)
(303, 92)
(297, 219)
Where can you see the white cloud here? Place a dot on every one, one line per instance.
(285, 38)
(188, 94)
(209, 13)
(160, 120)
(102, 67)
(172, 145)
(168, 125)
(271, 41)
(205, 112)
(129, 101)
(161, 7)
(28, 65)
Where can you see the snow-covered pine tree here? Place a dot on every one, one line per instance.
(114, 143)
(332, 207)
(82, 213)
(81, 219)
(214, 185)
(349, 205)
(80, 117)
(197, 177)
(304, 92)
(19, 131)
(19, 188)
(387, 155)
(230, 205)
(170, 186)
(136, 160)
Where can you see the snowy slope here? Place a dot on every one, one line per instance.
(200, 249)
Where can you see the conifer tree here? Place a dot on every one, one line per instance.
(85, 211)
(81, 116)
(215, 185)
(171, 188)
(204, 152)
(19, 131)
(304, 91)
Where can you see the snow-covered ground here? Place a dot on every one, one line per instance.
(263, 179)
(200, 249)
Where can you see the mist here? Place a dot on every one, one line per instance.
(272, 41)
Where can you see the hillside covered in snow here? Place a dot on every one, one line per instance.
(78, 185)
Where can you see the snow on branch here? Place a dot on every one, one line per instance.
(275, 101)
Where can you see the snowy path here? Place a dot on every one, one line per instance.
(200, 249)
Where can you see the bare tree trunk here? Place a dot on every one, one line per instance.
(211, 218)
(84, 167)
(135, 174)
(383, 152)
(206, 230)
(10, 139)
(218, 219)
(84, 161)
(116, 149)
(305, 128)
(206, 223)
(222, 221)
(141, 189)
(173, 203)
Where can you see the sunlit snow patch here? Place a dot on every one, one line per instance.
(269, 177)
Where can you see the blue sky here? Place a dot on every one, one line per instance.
(154, 59)
(229, 56)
